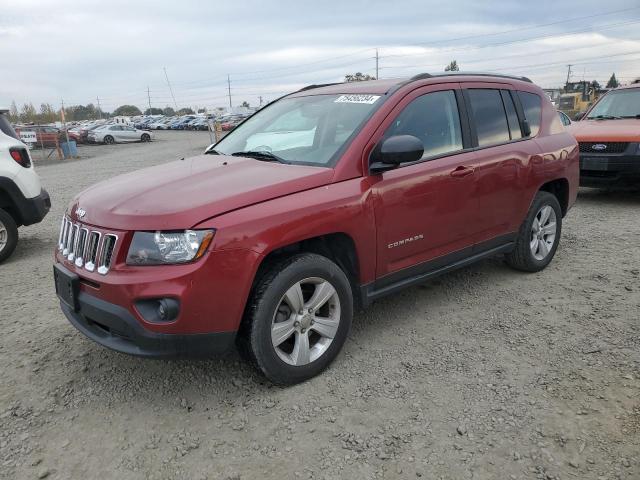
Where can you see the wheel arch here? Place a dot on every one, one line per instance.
(339, 247)
(560, 189)
(10, 197)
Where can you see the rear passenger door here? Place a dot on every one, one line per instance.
(501, 165)
(116, 132)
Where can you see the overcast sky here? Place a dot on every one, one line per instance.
(79, 50)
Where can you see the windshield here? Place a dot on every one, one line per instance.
(301, 130)
(618, 104)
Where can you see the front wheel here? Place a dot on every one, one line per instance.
(539, 235)
(298, 318)
(108, 140)
(8, 235)
(145, 137)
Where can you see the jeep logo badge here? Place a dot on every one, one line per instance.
(599, 146)
(80, 212)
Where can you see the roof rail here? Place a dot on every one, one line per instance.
(423, 76)
(311, 87)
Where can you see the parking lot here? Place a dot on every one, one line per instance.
(485, 373)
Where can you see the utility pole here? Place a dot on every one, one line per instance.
(377, 60)
(260, 97)
(149, 97)
(568, 73)
(99, 109)
(229, 89)
(170, 89)
(64, 120)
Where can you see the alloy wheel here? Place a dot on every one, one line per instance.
(306, 321)
(4, 236)
(543, 232)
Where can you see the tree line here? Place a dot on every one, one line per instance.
(76, 113)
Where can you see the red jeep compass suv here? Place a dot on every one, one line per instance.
(320, 203)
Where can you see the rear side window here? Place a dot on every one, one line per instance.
(512, 116)
(488, 115)
(532, 106)
(434, 119)
(6, 128)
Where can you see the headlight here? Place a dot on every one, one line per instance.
(165, 248)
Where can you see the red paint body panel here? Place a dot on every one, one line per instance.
(258, 207)
(180, 194)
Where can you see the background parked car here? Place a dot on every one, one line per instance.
(45, 134)
(109, 134)
(181, 123)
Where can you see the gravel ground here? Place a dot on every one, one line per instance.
(484, 373)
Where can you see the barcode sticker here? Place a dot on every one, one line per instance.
(369, 99)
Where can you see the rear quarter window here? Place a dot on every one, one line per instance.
(6, 128)
(532, 106)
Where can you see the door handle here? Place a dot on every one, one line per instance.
(462, 171)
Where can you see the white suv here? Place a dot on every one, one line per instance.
(22, 199)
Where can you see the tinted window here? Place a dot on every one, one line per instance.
(6, 128)
(434, 119)
(532, 106)
(488, 114)
(512, 116)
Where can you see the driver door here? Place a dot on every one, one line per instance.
(425, 210)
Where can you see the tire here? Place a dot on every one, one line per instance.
(323, 331)
(108, 140)
(535, 249)
(8, 235)
(145, 137)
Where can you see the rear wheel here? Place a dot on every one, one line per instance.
(539, 235)
(8, 235)
(298, 318)
(145, 137)
(108, 140)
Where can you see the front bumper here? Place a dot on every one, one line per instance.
(33, 210)
(115, 328)
(601, 170)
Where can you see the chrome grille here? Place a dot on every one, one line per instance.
(86, 248)
(92, 251)
(106, 253)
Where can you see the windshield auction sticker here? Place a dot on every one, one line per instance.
(357, 99)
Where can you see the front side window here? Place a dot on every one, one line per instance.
(302, 130)
(488, 115)
(433, 118)
(532, 106)
(618, 104)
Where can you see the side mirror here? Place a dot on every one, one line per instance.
(578, 116)
(395, 150)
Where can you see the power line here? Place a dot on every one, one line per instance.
(521, 40)
(531, 27)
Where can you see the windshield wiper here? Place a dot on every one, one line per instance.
(604, 117)
(260, 155)
(212, 152)
(631, 116)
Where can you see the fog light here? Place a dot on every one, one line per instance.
(158, 309)
(162, 310)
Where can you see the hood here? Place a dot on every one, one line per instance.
(181, 194)
(622, 130)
